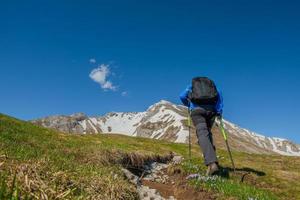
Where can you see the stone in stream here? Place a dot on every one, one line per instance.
(145, 193)
(177, 160)
(153, 172)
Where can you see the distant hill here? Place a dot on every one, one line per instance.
(166, 121)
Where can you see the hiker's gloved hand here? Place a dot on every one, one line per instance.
(219, 116)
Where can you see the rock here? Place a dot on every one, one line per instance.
(79, 116)
(131, 177)
(177, 160)
(158, 180)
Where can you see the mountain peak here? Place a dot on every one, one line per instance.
(160, 104)
(79, 116)
(163, 102)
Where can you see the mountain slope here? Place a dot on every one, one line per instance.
(52, 165)
(166, 121)
(47, 164)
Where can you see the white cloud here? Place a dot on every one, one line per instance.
(100, 75)
(92, 60)
(124, 94)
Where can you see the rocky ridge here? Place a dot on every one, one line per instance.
(167, 121)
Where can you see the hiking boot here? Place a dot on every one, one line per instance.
(212, 169)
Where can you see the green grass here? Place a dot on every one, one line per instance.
(225, 186)
(60, 166)
(6, 192)
(231, 188)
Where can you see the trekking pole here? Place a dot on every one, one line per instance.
(189, 125)
(226, 141)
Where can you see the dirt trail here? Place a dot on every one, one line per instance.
(178, 187)
(157, 182)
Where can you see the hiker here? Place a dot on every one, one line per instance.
(205, 103)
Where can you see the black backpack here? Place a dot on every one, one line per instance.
(204, 91)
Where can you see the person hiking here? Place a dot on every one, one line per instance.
(205, 103)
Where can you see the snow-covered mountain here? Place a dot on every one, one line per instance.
(165, 120)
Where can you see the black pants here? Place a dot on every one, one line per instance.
(203, 120)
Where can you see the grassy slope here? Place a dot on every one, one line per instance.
(52, 164)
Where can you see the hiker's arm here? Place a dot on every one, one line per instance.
(184, 96)
(220, 105)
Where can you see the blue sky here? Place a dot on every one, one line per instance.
(150, 50)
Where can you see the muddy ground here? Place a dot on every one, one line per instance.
(178, 187)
